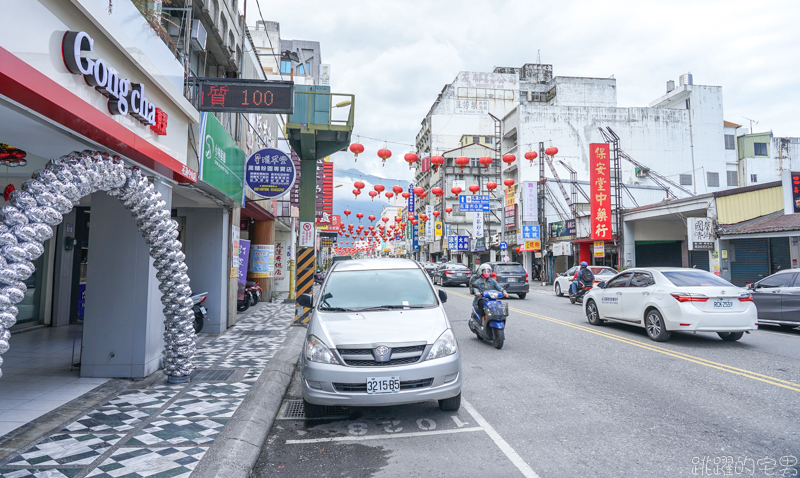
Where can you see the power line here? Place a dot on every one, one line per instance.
(384, 141)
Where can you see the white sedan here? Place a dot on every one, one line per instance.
(667, 299)
(563, 281)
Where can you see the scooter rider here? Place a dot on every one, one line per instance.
(583, 278)
(482, 283)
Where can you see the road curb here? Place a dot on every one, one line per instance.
(236, 450)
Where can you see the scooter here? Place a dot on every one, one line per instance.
(200, 312)
(496, 313)
(577, 298)
(254, 291)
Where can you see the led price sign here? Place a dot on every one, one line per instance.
(246, 96)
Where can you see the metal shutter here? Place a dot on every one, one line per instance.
(658, 254)
(751, 261)
(699, 260)
(780, 257)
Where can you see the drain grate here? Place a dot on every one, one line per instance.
(212, 375)
(255, 332)
(293, 410)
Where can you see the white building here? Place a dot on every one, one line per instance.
(763, 156)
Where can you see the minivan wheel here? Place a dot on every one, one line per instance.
(313, 411)
(654, 324)
(522, 296)
(450, 404)
(730, 336)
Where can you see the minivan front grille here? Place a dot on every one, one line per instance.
(372, 363)
(362, 387)
(363, 357)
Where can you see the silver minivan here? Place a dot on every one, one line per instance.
(379, 336)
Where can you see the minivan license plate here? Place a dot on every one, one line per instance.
(723, 304)
(383, 384)
(512, 279)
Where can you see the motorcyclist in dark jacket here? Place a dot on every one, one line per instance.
(583, 278)
(480, 284)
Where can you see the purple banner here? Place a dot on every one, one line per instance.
(244, 256)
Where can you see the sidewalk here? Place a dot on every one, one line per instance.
(153, 428)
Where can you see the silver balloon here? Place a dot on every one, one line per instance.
(43, 231)
(24, 233)
(8, 238)
(22, 199)
(13, 293)
(12, 216)
(34, 249)
(14, 253)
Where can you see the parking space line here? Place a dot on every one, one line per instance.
(795, 387)
(383, 437)
(498, 440)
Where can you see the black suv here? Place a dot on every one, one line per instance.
(512, 276)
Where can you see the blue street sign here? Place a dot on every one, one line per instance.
(473, 203)
(463, 243)
(503, 246)
(530, 232)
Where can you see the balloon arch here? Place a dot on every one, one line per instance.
(51, 192)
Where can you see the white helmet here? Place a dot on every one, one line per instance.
(484, 267)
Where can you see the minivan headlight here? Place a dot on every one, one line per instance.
(317, 351)
(445, 345)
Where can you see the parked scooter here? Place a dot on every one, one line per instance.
(577, 298)
(496, 313)
(319, 277)
(200, 312)
(253, 291)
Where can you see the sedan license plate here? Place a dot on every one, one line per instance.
(383, 384)
(723, 304)
(512, 279)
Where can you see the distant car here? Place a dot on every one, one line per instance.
(379, 336)
(429, 267)
(563, 281)
(452, 274)
(663, 300)
(777, 298)
(512, 276)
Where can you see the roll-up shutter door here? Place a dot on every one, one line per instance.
(750, 262)
(699, 260)
(779, 255)
(658, 254)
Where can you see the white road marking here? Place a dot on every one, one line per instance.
(498, 440)
(385, 437)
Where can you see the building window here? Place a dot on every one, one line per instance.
(476, 139)
(713, 180)
(286, 67)
(754, 178)
(760, 149)
(686, 179)
(730, 141)
(301, 70)
(733, 178)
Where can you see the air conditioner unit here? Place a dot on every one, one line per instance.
(173, 26)
(198, 35)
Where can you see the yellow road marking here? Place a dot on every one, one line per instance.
(689, 358)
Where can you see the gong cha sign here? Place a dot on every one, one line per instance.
(124, 96)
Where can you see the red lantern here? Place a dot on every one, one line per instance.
(518, 249)
(423, 195)
(356, 192)
(371, 228)
(406, 195)
(389, 195)
(411, 158)
(462, 161)
(357, 148)
(491, 186)
(456, 190)
(437, 161)
(414, 222)
(448, 210)
(551, 151)
(359, 185)
(372, 194)
(384, 154)
(509, 158)
(379, 187)
(485, 161)
(436, 213)
(385, 219)
(424, 217)
(397, 189)
(474, 188)
(437, 191)
(509, 182)
(359, 216)
(419, 191)
(371, 218)
(346, 212)
(530, 156)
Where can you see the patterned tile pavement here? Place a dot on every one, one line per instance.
(165, 429)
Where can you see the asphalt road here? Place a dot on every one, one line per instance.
(567, 399)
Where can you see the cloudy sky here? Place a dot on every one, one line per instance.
(396, 56)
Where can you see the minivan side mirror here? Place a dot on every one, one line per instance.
(442, 296)
(305, 300)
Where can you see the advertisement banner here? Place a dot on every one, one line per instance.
(281, 274)
(600, 191)
(510, 216)
(530, 200)
(791, 192)
(510, 193)
(701, 234)
(262, 261)
(562, 230)
(599, 249)
(221, 159)
(477, 224)
(438, 230)
(530, 232)
(269, 173)
(529, 245)
(244, 255)
(324, 204)
(428, 226)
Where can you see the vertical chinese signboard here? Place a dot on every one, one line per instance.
(791, 192)
(324, 205)
(701, 234)
(281, 261)
(600, 188)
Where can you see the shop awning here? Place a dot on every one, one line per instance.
(776, 224)
(253, 211)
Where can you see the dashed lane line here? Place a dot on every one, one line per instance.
(793, 386)
(383, 437)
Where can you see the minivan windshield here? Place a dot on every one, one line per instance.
(513, 268)
(351, 291)
(695, 279)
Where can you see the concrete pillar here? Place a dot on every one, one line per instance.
(206, 247)
(233, 278)
(629, 247)
(124, 322)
